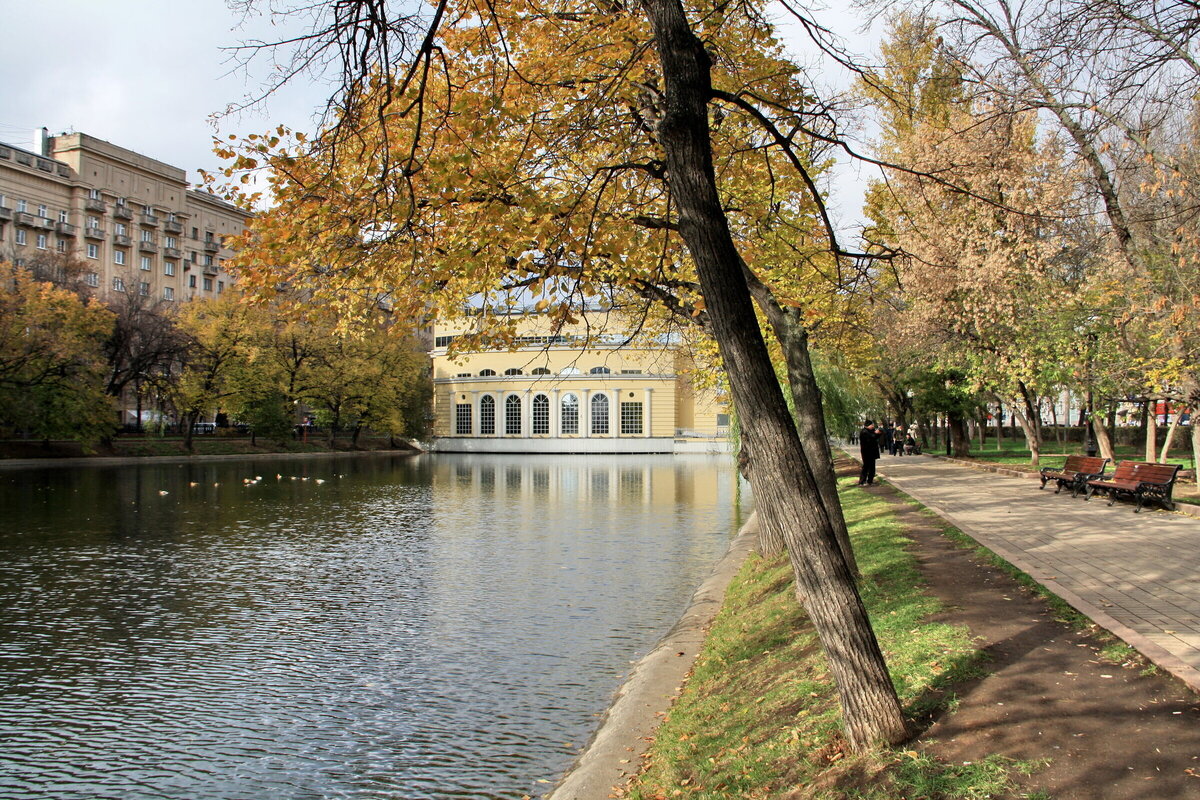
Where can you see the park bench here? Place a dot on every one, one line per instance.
(1139, 480)
(1075, 473)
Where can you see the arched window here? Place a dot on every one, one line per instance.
(601, 371)
(569, 371)
(487, 415)
(599, 414)
(540, 371)
(486, 373)
(512, 415)
(513, 371)
(541, 415)
(570, 415)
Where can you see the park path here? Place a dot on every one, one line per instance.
(1138, 575)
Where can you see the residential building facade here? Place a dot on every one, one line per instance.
(576, 389)
(130, 219)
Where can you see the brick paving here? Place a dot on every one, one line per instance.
(1138, 575)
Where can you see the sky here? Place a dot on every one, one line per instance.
(149, 75)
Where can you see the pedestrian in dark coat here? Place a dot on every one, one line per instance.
(884, 432)
(868, 448)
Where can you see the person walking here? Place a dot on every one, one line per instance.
(884, 435)
(898, 440)
(868, 448)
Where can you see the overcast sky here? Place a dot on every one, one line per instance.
(149, 74)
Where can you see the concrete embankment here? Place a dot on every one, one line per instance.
(615, 751)
(122, 461)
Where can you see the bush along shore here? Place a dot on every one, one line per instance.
(758, 716)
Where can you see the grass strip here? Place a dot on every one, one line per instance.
(758, 717)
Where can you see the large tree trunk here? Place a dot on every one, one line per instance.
(810, 420)
(1151, 432)
(960, 440)
(1103, 440)
(1166, 448)
(1032, 436)
(785, 490)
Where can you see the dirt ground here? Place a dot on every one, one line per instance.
(1109, 732)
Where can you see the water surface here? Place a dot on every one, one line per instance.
(370, 627)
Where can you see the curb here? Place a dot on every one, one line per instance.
(615, 751)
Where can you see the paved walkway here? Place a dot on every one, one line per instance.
(1138, 575)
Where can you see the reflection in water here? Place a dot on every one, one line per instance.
(372, 627)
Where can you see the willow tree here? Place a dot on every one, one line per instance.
(565, 150)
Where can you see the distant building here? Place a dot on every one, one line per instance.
(132, 220)
(576, 390)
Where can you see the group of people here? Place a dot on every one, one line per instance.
(887, 438)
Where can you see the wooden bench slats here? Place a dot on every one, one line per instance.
(1075, 473)
(1143, 480)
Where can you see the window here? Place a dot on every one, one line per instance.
(540, 371)
(631, 418)
(120, 228)
(465, 375)
(513, 371)
(168, 293)
(208, 236)
(570, 414)
(94, 194)
(168, 268)
(631, 372)
(93, 251)
(191, 281)
(541, 414)
(512, 415)
(722, 420)
(486, 373)
(93, 222)
(22, 206)
(172, 242)
(21, 237)
(145, 264)
(92, 279)
(121, 201)
(220, 286)
(487, 415)
(41, 241)
(63, 217)
(119, 257)
(207, 284)
(442, 341)
(144, 289)
(43, 212)
(462, 419)
(147, 236)
(118, 285)
(208, 261)
(600, 371)
(599, 413)
(195, 233)
(61, 246)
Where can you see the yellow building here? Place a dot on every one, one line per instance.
(576, 390)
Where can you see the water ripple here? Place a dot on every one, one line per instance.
(437, 627)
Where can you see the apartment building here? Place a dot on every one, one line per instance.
(131, 219)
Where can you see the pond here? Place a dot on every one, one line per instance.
(366, 627)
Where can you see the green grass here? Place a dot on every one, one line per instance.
(1014, 452)
(759, 718)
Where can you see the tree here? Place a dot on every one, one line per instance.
(51, 363)
(602, 178)
(216, 332)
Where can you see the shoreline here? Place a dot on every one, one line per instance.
(121, 461)
(614, 753)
